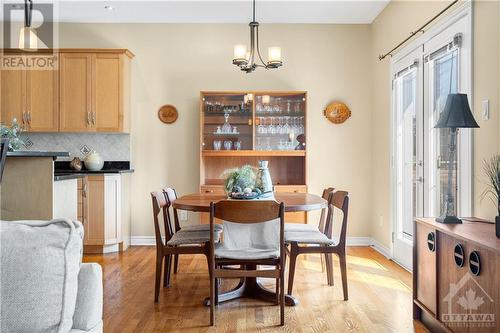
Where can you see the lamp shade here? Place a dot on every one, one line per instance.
(456, 113)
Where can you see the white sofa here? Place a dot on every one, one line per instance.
(45, 287)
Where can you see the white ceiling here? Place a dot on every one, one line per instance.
(225, 11)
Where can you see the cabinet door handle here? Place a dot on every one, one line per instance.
(24, 120)
(88, 118)
(84, 190)
(209, 191)
(93, 118)
(431, 241)
(29, 117)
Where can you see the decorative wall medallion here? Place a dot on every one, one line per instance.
(337, 112)
(168, 114)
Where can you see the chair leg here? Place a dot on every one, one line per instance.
(343, 271)
(291, 269)
(282, 296)
(176, 263)
(217, 284)
(159, 262)
(166, 271)
(212, 299)
(329, 268)
(278, 290)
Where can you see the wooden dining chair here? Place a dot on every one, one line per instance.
(240, 248)
(180, 242)
(171, 195)
(300, 242)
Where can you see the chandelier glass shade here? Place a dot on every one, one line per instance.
(249, 60)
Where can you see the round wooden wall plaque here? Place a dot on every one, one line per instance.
(337, 112)
(168, 114)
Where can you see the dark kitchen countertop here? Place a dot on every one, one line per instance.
(62, 168)
(28, 153)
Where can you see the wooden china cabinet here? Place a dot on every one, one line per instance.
(238, 128)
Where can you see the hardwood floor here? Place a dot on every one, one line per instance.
(379, 297)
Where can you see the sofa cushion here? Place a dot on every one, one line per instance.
(88, 310)
(40, 261)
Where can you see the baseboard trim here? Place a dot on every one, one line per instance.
(377, 246)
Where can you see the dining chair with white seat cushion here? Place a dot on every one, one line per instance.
(176, 242)
(253, 236)
(300, 242)
(171, 195)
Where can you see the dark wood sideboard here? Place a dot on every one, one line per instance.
(456, 276)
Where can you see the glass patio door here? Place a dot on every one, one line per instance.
(407, 153)
(422, 79)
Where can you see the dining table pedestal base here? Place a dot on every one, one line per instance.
(251, 288)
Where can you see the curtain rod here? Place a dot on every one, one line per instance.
(421, 29)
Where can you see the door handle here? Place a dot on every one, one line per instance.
(88, 118)
(418, 180)
(29, 117)
(93, 118)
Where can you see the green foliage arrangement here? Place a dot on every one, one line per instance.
(491, 168)
(237, 179)
(12, 133)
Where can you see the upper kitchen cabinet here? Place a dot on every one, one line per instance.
(13, 99)
(42, 101)
(94, 91)
(75, 78)
(30, 96)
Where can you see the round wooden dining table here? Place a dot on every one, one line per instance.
(250, 286)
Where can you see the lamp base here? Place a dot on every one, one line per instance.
(449, 220)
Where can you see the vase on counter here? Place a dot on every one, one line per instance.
(94, 161)
(264, 182)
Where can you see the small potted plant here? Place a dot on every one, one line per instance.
(239, 183)
(12, 133)
(491, 168)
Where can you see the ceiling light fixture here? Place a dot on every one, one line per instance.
(246, 61)
(28, 39)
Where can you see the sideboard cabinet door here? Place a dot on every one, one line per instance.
(426, 264)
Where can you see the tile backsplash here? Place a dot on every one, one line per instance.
(111, 147)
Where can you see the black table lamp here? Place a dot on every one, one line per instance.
(456, 114)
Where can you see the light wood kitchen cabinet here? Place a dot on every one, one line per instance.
(31, 96)
(100, 210)
(75, 77)
(94, 92)
(13, 100)
(42, 101)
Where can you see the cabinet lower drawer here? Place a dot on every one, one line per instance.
(291, 188)
(213, 189)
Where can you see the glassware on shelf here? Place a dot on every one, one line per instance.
(228, 145)
(271, 128)
(268, 143)
(217, 144)
(219, 131)
(235, 130)
(297, 107)
(226, 128)
(259, 143)
(288, 106)
(237, 145)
